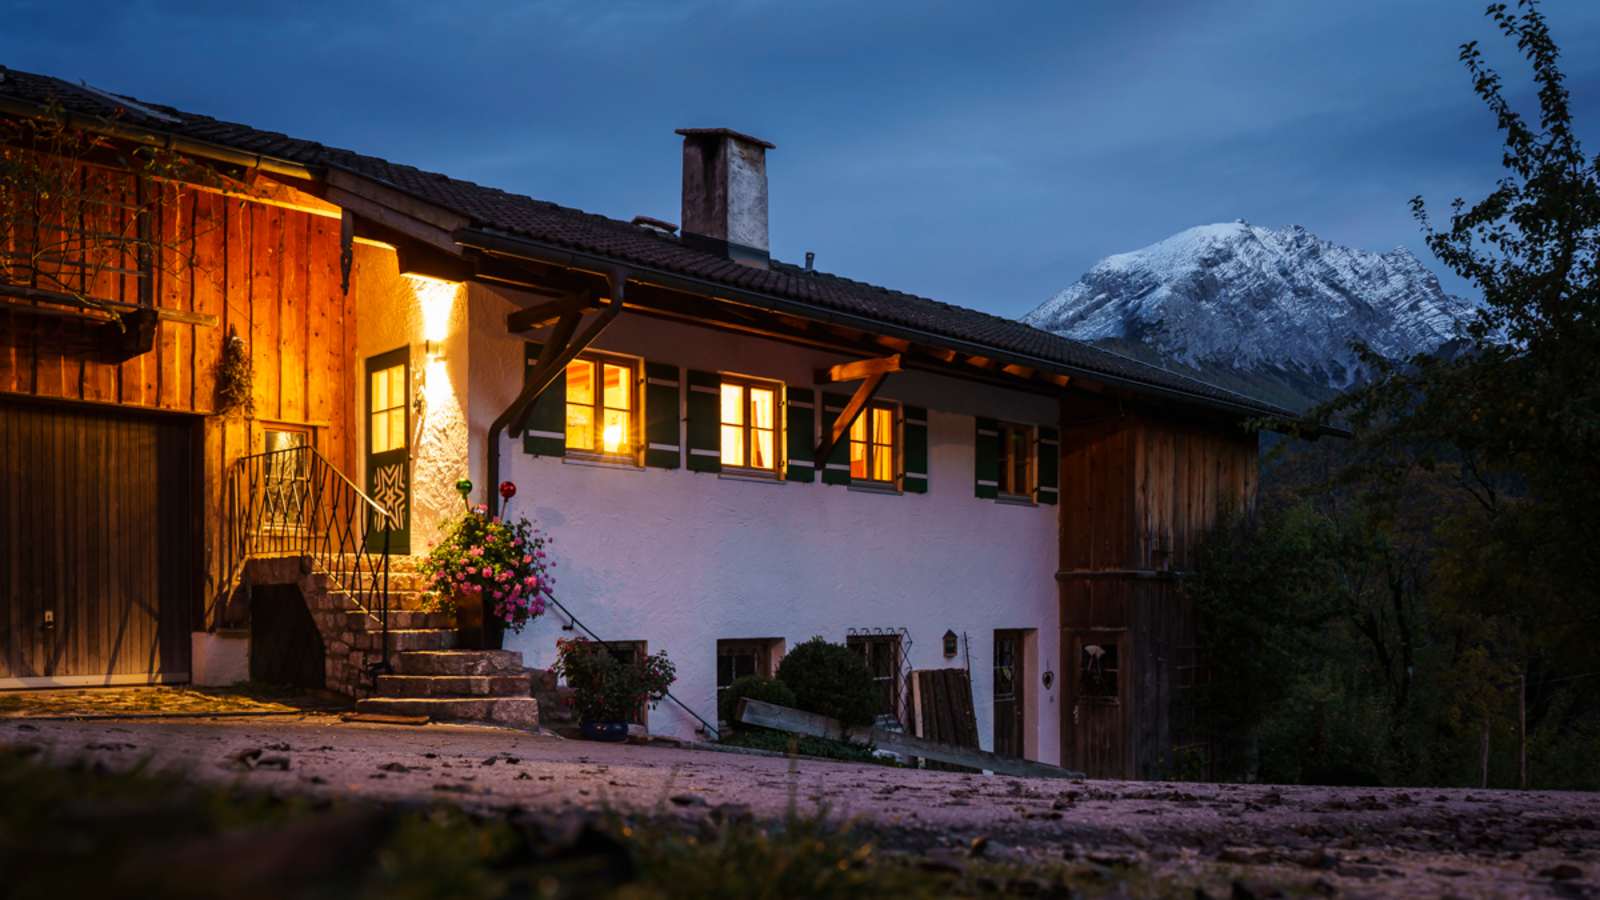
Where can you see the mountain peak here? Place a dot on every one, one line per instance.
(1240, 297)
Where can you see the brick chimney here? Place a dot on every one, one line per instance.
(725, 194)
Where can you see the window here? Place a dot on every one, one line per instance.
(602, 406)
(1016, 461)
(750, 424)
(286, 479)
(1097, 672)
(387, 429)
(873, 444)
(626, 652)
(741, 658)
(882, 655)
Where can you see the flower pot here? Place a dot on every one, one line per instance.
(476, 627)
(609, 732)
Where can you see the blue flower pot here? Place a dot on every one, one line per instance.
(609, 732)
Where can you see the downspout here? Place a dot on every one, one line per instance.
(530, 392)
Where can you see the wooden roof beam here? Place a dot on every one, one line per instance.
(859, 369)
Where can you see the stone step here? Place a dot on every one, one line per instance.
(519, 712)
(399, 619)
(412, 602)
(461, 662)
(455, 686)
(406, 639)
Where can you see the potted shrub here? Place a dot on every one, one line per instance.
(493, 573)
(607, 690)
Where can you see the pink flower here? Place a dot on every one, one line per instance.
(476, 551)
(527, 560)
(471, 570)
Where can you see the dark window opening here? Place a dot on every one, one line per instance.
(882, 655)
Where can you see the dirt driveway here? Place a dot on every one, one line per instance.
(1413, 842)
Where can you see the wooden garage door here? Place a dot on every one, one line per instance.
(98, 552)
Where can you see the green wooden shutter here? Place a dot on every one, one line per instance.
(986, 472)
(1049, 460)
(801, 423)
(545, 428)
(915, 433)
(836, 470)
(662, 448)
(705, 421)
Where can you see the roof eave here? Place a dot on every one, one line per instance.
(528, 248)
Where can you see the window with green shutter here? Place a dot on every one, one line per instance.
(661, 431)
(986, 468)
(545, 427)
(1015, 467)
(801, 421)
(914, 429)
(703, 406)
(1049, 465)
(836, 468)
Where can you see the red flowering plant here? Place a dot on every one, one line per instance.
(608, 686)
(501, 561)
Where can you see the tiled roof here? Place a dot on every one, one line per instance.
(524, 217)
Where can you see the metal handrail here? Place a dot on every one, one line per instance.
(295, 503)
(711, 729)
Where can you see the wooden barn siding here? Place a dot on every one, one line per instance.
(1138, 491)
(269, 272)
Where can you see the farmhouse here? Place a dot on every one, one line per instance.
(241, 375)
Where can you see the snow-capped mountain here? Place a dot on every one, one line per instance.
(1267, 312)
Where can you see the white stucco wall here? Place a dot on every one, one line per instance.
(681, 559)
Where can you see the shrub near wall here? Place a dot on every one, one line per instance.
(830, 680)
(767, 690)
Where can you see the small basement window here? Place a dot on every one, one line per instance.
(744, 657)
(882, 655)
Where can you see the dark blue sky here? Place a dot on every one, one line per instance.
(981, 153)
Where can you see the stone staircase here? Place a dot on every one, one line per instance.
(458, 685)
(353, 635)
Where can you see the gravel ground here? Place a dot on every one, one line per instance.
(1355, 841)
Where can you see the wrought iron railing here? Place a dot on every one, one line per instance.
(294, 503)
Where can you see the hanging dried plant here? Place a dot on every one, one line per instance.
(236, 377)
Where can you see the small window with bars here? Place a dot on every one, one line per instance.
(881, 653)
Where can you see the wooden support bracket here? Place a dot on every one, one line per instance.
(861, 368)
(542, 314)
(852, 411)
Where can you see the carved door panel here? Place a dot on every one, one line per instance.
(388, 427)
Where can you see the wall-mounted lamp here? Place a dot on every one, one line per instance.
(952, 645)
(1049, 679)
(436, 300)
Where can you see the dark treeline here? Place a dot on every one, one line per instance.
(1418, 605)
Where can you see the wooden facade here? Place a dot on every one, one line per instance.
(263, 263)
(1138, 492)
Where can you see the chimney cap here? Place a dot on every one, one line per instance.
(729, 133)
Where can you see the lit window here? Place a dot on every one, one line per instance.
(601, 407)
(1016, 460)
(388, 431)
(750, 424)
(872, 444)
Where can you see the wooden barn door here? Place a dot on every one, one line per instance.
(99, 549)
(389, 442)
(1096, 667)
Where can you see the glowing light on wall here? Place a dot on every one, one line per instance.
(436, 299)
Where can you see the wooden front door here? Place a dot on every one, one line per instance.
(1009, 687)
(1096, 666)
(99, 546)
(389, 444)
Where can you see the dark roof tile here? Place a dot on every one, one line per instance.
(537, 220)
